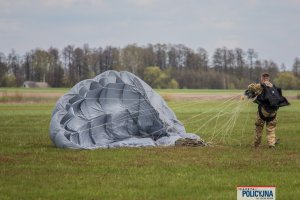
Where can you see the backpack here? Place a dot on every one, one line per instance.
(271, 98)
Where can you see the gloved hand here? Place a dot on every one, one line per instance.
(249, 94)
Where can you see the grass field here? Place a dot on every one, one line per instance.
(164, 91)
(32, 168)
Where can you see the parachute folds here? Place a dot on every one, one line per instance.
(114, 109)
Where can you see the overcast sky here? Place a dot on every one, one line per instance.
(271, 27)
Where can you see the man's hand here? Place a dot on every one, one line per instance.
(249, 94)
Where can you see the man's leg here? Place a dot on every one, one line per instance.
(259, 126)
(271, 132)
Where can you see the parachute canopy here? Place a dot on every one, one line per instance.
(115, 109)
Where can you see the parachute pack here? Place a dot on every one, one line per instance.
(271, 98)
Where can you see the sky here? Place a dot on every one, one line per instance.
(271, 27)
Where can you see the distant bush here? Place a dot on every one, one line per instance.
(10, 81)
(159, 79)
(287, 80)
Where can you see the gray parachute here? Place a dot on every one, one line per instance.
(115, 109)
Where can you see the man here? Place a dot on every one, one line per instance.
(269, 99)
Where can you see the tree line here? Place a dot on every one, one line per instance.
(160, 65)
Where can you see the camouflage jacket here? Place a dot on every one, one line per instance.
(257, 88)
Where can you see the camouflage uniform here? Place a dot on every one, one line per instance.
(259, 123)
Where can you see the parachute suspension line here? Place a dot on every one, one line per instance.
(227, 129)
(128, 116)
(188, 104)
(215, 128)
(247, 104)
(179, 102)
(219, 131)
(207, 121)
(227, 101)
(247, 118)
(231, 103)
(209, 118)
(227, 126)
(124, 118)
(218, 116)
(210, 115)
(230, 127)
(184, 105)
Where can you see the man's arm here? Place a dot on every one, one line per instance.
(254, 89)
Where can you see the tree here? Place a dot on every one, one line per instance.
(132, 59)
(230, 68)
(161, 55)
(252, 55)
(203, 55)
(223, 60)
(67, 54)
(39, 64)
(240, 62)
(99, 61)
(110, 58)
(55, 72)
(217, 60)
(14, 68)
(155, 77)
(3, 69)
(271, 67)
(258, 70)
(283, 67)
(93, 62)
(148, 56)
(80, 65)
(287, 80)
(27, 66)
(296, 67)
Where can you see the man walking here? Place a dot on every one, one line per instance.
(269, 99)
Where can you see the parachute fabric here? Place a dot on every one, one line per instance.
(114, 109)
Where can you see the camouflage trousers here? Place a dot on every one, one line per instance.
(259, 126)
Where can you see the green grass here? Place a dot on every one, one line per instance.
(32, 168)
(34, 90)
(163, 91)
(214, 91)
(51, 95)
